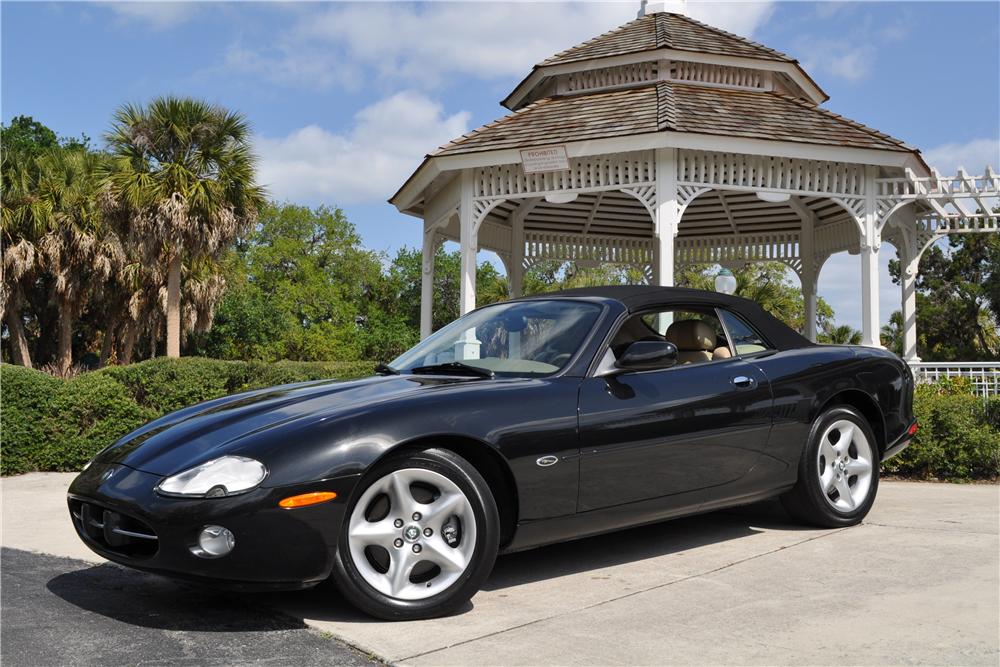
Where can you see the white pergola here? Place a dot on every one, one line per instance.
(687, 145)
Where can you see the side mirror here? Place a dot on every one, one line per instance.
(644, 355)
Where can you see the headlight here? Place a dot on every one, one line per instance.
(226, 476)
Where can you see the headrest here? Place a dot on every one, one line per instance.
(691, 335)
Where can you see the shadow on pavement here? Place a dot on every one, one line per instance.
(635, 544)
(626, 546)
(150, 601)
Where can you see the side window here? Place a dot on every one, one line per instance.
(745, 339)
(697, 333)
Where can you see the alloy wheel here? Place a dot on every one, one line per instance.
(412, 534)
(845, 465)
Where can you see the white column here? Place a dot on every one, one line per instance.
(427, 282)
(908, 280)
(809, 275)
(468, 245)
(516, 268)
(667, 216)
(870, 243)
(909, 263)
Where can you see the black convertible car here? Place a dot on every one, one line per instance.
(523, 423)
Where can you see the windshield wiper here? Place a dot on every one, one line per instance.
(453, 368)
(385, 369)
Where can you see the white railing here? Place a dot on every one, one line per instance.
(985, 377)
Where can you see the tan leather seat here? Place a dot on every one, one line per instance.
(694, 339)
(721, 353)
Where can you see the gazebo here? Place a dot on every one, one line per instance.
(668, 142)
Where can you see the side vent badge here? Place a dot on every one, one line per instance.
(547, 461)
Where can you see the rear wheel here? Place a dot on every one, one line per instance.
(838, 471)
(419, 539)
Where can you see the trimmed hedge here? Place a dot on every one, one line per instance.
(50, 424)
(958, 438)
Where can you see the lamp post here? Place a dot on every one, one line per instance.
(725, 282)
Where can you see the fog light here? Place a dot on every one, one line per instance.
(214, 542)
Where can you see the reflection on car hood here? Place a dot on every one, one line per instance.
(210, 429)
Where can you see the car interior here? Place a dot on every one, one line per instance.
(698, 334)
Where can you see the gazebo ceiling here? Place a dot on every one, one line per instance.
(668, 106)
(716, 213)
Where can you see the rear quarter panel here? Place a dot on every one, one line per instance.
(805, 381)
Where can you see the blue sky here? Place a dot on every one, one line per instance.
(345, 98)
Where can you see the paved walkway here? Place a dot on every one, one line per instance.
(919, 582)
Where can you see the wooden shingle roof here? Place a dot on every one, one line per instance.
(663, 30)
(667, 106)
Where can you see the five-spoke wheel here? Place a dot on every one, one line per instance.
(412, 533)
(844, 465)
(420, 537)
(838, 472)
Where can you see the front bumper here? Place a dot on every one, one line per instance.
(124, 520)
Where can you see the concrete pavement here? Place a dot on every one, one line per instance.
(919, 582)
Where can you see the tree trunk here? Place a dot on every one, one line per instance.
(20, 354)
(128, 343)
(173, 308)
(107, 345)
(65, 357)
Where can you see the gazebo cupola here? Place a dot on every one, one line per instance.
(667, 142)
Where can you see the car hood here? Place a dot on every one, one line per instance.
(199, 433)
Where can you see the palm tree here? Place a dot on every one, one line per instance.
(78, 250)
(842, 335)
(892, 333)
(52, 226)
(24, 216)
(185, 175)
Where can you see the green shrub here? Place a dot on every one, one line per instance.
(26, 398)
(87, 414)
(51, 424)
(958, 438)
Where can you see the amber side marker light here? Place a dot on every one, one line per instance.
(306, 499)
(913, 429)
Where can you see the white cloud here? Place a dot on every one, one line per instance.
(837, 58)
(840, 286)
(158, 15)
(974, 155)
(424, 44)
(365, 163)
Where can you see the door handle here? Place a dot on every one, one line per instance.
(744, 382)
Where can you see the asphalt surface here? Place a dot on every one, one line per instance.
(61, 611)
(918, 583)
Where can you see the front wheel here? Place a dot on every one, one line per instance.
(838, 471)
(420, 538)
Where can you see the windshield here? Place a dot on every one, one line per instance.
(521, 338)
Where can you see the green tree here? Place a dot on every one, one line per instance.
(958, 296)
(57, 245)
(892, 333)
(299, 281)
(839, 335)
(78, 250)
(184, 174)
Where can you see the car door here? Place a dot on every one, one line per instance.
(657, 433)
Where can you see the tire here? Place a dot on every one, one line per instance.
(419, 537)
(836, 485)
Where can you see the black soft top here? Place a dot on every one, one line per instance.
(642, 297)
